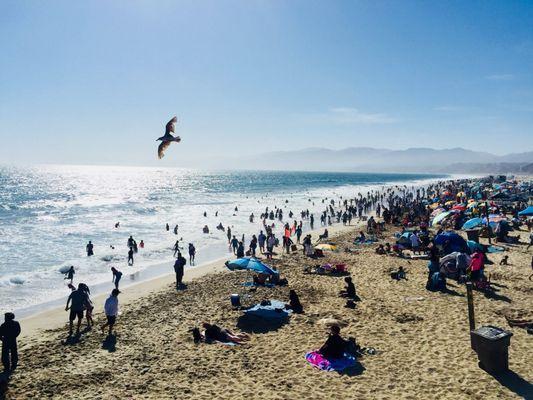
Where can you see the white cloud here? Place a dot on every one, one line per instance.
(349, 116)
(500, 77)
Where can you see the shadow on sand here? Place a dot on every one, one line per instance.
(110, 343)
(253, 324)
(515, 383)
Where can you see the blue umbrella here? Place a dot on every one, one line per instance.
(527, 212)
(473, 223)
(250, 263)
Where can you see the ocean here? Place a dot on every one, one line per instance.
(49, 213)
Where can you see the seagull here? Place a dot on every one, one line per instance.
(167, 138)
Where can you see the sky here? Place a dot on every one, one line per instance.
(90, 82)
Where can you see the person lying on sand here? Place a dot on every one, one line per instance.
(214, 333)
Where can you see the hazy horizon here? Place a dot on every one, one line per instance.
(95, 83)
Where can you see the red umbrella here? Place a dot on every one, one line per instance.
(459, 207)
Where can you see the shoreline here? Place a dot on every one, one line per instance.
(56, 316)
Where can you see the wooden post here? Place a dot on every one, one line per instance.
(470, 298)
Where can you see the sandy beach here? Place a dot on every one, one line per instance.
(421, 338)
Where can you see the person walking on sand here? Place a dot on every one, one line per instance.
(76, 302)
(117, 275)
(111, 311)
(70, 274)
(261, 239)
(89, 248)
(179, 266)
(9, 331)
(130, 256)
(192, 253)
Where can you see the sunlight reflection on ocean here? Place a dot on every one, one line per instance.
(49, 213)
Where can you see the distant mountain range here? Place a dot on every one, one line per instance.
(367, 159)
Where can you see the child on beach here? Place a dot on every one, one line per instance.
(111, 311)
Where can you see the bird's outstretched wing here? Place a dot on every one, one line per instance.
(161, 149)
(170, 126)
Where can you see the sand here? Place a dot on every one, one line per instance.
(421, 338)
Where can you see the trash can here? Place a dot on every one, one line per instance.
(235, 300)
(473, 234)
(492, 347)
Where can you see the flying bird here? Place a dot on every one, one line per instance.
(167, 138)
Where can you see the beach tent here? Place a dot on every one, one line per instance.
(474, 246)
(526, 212)
(251, 264)
(454, 242)
(473, 223)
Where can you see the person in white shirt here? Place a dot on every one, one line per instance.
(111, 310)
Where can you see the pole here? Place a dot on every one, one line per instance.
(489, 229)
(470, 298)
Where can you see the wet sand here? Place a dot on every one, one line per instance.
(422, 338)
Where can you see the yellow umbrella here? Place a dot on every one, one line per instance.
(326, 246)
(434, 205)
(449, 202)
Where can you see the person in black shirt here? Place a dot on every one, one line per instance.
(179, 269)
(9, 332)
(335, 345)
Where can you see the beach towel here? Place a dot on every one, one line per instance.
(317, 360)
(274, 310)
(251, 284)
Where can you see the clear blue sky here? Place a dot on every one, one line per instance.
(95, 81)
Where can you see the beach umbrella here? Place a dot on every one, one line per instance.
(439, 218)
(450, 202)
(251, 264)
(434, 206)
(437, 212)
(473, 223)
(326, 246)
(459, 207)
(526, 212)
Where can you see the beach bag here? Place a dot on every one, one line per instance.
(248, 253)
(294, 247)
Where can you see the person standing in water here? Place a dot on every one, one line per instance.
(117, 275)
(9, 331)
(70, 274)
(167, 227)
(229, 234)
(176, 230)
(111, 311)
(192, 253)
(89, 249)
(130, 256)
(177, 247)
(141, 244)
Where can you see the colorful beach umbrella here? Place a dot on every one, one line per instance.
(251, 264)
(473, 223)
(439, 218)
(459, 207)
